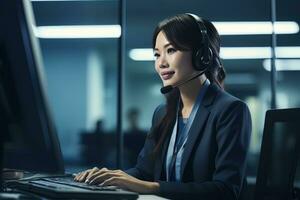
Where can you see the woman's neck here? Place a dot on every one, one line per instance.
(189, 93)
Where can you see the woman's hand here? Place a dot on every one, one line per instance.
(83, 176)
(105, 177)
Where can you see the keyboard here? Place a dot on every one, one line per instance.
(58, 181)
(67, 188)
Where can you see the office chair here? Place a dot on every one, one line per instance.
(279, 154)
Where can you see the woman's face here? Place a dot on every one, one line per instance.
(171, 64)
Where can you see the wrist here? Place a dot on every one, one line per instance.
(154, 187)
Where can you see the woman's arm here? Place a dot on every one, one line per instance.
(139, 179)
(144, 168)
(145, 163)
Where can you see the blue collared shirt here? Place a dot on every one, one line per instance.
(181, 129)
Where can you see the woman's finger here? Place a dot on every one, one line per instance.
(82, 175)
(102, 177)
(78, 177)
(94, 170)
(96, 174)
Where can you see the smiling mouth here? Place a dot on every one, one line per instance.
(167, 75)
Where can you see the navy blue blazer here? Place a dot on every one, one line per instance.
(214, 158)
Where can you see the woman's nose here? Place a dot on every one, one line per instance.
(162, 62)
(163, 66)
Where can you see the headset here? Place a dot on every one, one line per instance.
(202, 56)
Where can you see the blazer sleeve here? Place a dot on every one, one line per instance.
(144, 169)
(233, 129)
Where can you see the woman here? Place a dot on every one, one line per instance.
(198, 142)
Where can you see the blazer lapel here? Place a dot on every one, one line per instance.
(160, 159)
(196, 129)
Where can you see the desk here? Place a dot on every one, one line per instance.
(150, 197)
(18, 196)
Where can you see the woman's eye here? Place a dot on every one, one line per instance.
(171, 50)
(156, 55)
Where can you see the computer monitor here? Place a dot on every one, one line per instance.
(279, 155)
(31, 142)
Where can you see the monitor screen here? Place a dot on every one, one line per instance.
(31, 141)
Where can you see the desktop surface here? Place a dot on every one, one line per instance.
(23, 196)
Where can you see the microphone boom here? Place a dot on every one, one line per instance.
(169, 88)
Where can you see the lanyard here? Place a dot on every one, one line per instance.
(177, 148)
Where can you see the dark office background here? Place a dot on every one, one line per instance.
(81, 74)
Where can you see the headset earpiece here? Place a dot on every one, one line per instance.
(202, 60)
(202, 57)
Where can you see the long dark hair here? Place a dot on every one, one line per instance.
(183, 32)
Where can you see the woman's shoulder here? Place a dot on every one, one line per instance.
(227, 98)
(226, 101)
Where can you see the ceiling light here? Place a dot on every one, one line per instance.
(258, 52)
(67, 0)
(283, 64)
(84, 31)
(146, 54)
(143, 54)
(256, 28)
(245, 52)
(288, 52)
(114, 31)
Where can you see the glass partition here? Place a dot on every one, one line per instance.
(82, 72)
(79, 42)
